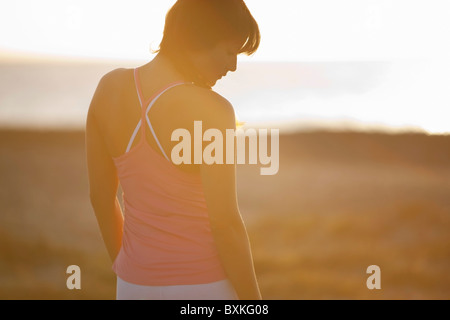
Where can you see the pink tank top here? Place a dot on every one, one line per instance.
(167, 238)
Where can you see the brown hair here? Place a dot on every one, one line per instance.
(193, 25)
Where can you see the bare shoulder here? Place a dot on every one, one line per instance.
(109, 90)
(216, 100)
(210, 106)
(112, 83)
(114, 77)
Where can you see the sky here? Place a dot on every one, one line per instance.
(292, 30)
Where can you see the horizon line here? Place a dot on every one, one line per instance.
(285, 127)
(21, 56)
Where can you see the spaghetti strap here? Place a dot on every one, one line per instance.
(138, 90)
(137, 84)
(148, 120)
(144, 112)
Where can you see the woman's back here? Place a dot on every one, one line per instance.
(177, 108)
(167, 238)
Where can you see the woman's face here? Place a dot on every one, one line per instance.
(215, 63)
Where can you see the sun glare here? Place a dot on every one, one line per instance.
(292, 30)
(297, 30)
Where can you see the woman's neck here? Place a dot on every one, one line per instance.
(165, 70)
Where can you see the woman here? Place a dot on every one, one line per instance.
(181, 235)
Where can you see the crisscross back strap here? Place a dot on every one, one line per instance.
(144, 112)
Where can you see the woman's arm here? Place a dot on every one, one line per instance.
(103, 180)
(219, 181)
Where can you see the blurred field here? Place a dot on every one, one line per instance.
(341, 201)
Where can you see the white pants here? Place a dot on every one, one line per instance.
(220, 290)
